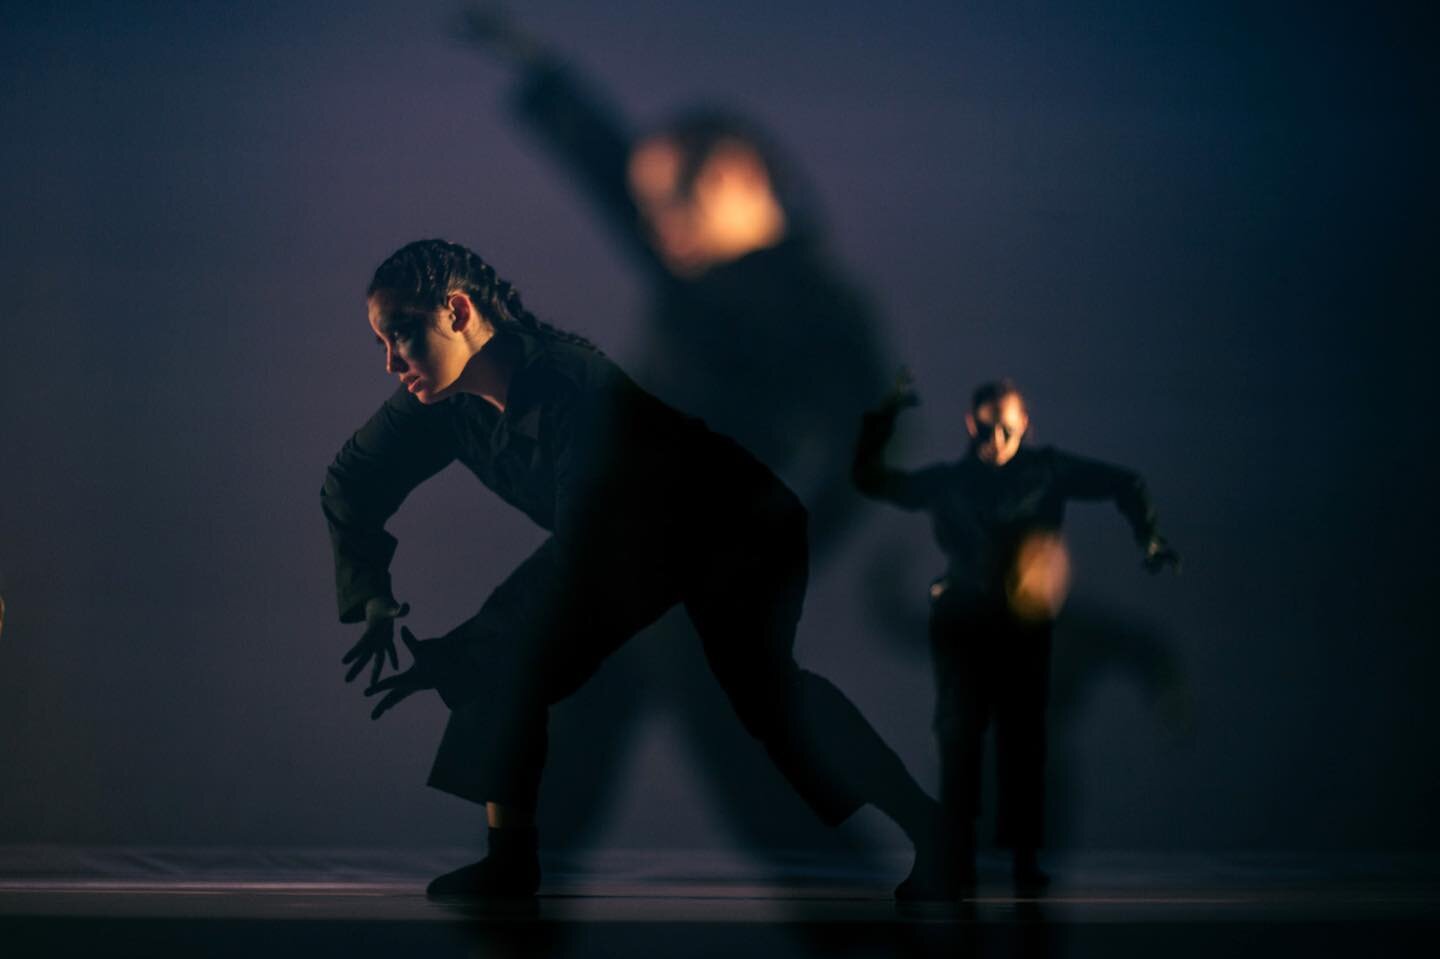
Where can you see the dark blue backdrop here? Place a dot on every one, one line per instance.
(1199, 234)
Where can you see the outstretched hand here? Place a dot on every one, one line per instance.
(489, 25)
(1160, 554)
(378, 640)
(402, 685)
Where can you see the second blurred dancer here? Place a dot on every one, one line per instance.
(997, 514)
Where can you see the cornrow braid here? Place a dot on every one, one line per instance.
(419, 277)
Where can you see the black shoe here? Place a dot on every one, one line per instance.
(943, 872)
(1030, 880)
(511, 871)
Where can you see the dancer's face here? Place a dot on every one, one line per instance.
(426, 351)
(996, 429)
(728, 211)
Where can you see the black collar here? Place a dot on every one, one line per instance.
(524, 396)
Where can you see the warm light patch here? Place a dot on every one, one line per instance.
(739, 211)
(1037, 585)
(728, 211)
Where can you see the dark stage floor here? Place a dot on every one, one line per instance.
(227, 902)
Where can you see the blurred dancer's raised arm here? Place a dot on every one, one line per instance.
(868, 471)
(572, 120)
(1084, 478)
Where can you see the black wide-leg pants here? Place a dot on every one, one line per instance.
(991, 664)
(744, 599)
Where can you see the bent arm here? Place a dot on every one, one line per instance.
(400, 447)
(1088, 479)
(868, 470)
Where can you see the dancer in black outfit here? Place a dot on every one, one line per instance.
(647, 509)
(996, 514)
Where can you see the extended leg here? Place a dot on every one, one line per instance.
(746, 613)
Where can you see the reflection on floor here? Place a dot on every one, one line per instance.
(247, 902)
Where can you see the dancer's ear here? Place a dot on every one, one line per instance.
(463, 314)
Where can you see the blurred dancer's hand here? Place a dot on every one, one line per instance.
(378, 640)
(401, 685)
(490, 25)
(1159, 554)
(902, 393)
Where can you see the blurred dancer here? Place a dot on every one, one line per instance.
(997, 514)
(648, 509)
(751, 327)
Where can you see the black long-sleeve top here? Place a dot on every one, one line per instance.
(625, 483)
(982, 513)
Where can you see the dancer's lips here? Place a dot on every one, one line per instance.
(411, 383)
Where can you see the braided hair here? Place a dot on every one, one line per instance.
(420, 276)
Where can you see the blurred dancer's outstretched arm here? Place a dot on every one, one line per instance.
(871, 476)
(585, 134)
(1084, 478)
